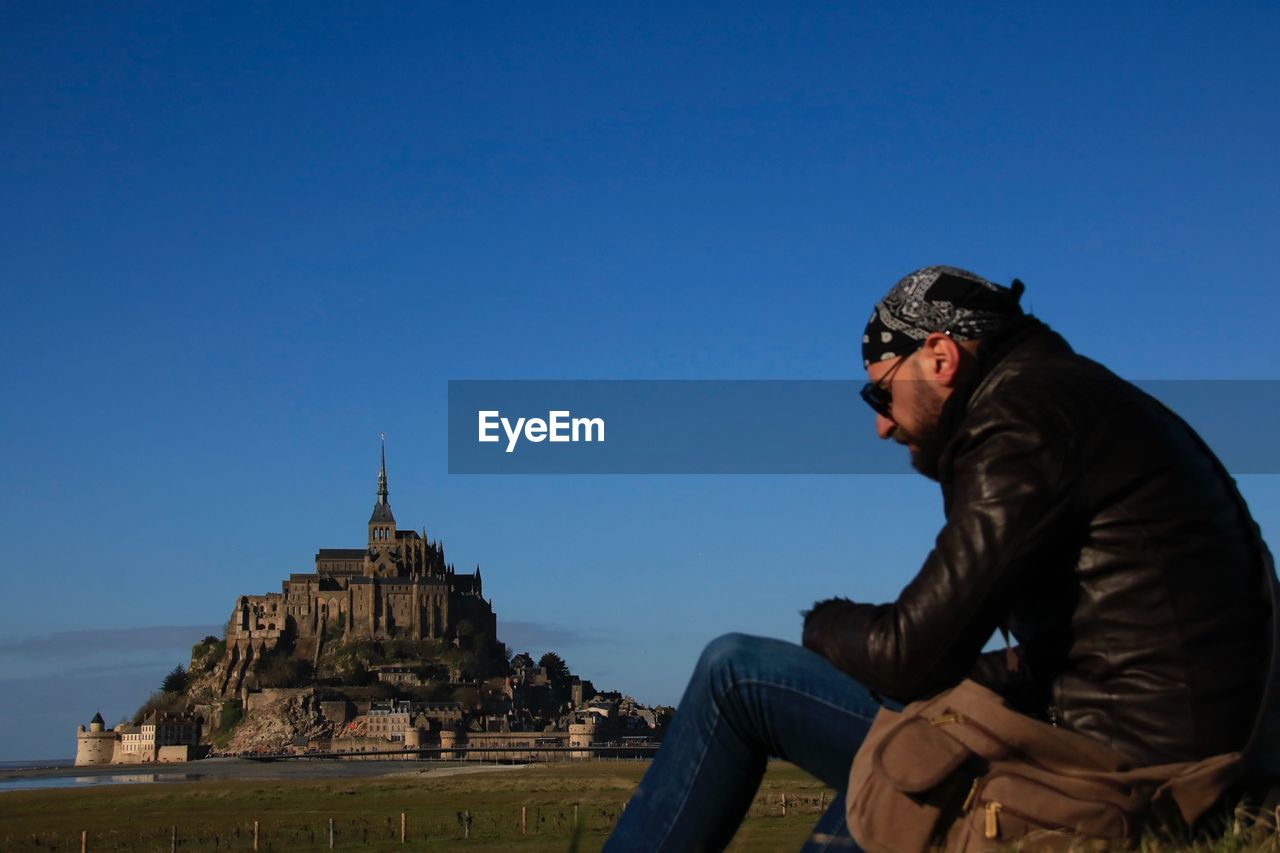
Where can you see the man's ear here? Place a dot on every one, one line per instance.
(943, 360)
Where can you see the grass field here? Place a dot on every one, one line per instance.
(295, 814)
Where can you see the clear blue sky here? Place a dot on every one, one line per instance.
(236, 243)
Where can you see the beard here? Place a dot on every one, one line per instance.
(924, 442)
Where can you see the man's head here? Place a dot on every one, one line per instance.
(919, 344)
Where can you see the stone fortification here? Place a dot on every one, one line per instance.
(96, 744)
(159, 738)
(398, 587)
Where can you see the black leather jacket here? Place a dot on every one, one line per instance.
(1092, 523)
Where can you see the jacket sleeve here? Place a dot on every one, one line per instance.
(991, 669)
(1012, 488)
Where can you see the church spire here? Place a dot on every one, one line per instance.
(382, 472)
(382, 524)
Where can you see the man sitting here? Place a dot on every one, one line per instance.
(1082, 517)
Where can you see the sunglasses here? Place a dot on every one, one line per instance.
(877, 394)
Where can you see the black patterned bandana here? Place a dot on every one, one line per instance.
(937, 299)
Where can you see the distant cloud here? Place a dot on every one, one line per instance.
(107, 641)
(51, 683)
(543, 636)
(41, 713)
(125, 669)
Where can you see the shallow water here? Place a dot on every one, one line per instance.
(29, 783)
(35, 775)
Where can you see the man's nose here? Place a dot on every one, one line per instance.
(884, 426)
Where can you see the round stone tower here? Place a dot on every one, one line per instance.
(97, 745)
(580, 737)
(413, 740)
(448, 741)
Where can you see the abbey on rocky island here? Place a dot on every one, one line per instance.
(397, 587)
(381, 647)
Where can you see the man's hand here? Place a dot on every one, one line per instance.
(822, 624)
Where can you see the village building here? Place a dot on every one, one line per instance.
(406, 676)
(389, 721)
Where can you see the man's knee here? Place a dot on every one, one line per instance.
(728, 655)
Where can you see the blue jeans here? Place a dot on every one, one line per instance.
(749, 698)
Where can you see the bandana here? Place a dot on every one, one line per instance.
(937, 299)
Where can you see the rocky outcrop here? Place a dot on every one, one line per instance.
(275, 726)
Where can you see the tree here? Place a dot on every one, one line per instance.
(557, 669)
(175, 681)
(521, 661)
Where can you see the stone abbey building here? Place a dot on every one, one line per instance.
(397, 587)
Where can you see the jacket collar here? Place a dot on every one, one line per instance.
(991, 352)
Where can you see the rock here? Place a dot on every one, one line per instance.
(275, 726)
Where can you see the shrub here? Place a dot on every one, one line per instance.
(164, 703)
(280, 670)
(206, 654)
(229, 716)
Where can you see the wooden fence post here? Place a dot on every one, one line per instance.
(330, 833)
(575, 815)
(84, 841)
(784, 805)
(402, 827)
(523, 825)
(255, 835)
(173, 840)
(466, 824)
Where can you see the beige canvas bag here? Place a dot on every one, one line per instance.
(963, 771)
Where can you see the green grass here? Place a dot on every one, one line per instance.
(294, 815)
